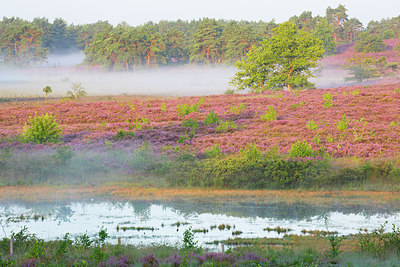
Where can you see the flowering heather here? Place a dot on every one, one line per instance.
(90, 125)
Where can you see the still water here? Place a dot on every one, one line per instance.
(54, 219)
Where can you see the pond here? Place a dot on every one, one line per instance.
(163, 222)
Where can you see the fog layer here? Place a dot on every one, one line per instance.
(60, 72)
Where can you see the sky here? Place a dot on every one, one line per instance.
(137, 12)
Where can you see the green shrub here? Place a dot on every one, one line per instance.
(211, 118)
(328, 100)
(312, 125)
(122, 134)
(269, 115)
(41, 129)
(190, 123)
(185, 109)
(214, 152)
(225, 126)
(302, 149)
(142, 157)
(251, 152)
(238, 109)
(64, 154)
(77, 91)
(343, 124)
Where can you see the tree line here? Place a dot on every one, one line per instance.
(205, 41)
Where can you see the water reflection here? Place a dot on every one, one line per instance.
(251, 218)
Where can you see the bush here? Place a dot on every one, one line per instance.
(211, 118)
(269, 115)
(42, 129)
(213, 152)
(185, 109)
(302, 149)
(343, 124)
(225, 126)
(77, 91)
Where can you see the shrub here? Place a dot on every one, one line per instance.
(185, 109)
(142, 157)
(343, 124)
(77, 91)
(42, 129)
(269, 115)
(328, 100)
(213, 152)
(312, 125)
(121, 134)
(188, 239)
(64, 154)
(211, 118)
(238, 109)
(190, 123)
(301, 149)
(225, 126)
(251, 152)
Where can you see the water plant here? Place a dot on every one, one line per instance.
(189, 242)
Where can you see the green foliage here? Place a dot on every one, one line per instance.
(302, 149)
(335, 242)
(64, 154)
(225, 126)
(312, 125)
(142, 157)
(47, 90)
(213, 152)
(238, 109)
(188, 240)
(343, 124)
(251, 152)
(36, 249)
(269, 115)
(378, 243)
(190, 123)
(229, 92)
(186, 109)
(77, 90)
(328, 100)
(98, 252)
(163, 107)
(63, 246)
(122, 134)
(284, 60)
(41, 129)
(211, 118)
(294, 106)
(369, 43)
(362, 67)
(324, 32)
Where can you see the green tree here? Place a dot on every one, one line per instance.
(361, 67)
(20, 43)
(337, 17)
(324, 32)
(47, 90)
(369, 43)
(285, 60)
(206, 44)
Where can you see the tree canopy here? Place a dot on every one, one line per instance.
(284, 60)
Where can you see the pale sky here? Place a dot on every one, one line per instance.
(136, 12)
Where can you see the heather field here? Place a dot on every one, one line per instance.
(371, 114)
